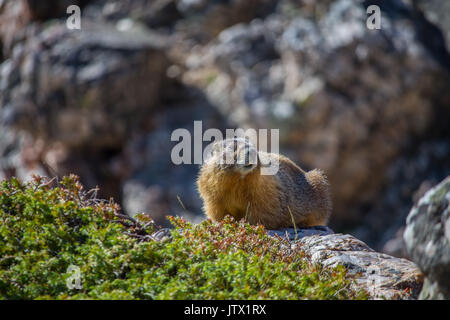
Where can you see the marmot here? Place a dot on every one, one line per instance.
(239, 189)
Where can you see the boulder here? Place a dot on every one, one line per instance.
(294, 234)
(67, 85)
(427, 238)
(79, 96)
(14, 16)
(381, 275)
(199, 20)
(438, 13)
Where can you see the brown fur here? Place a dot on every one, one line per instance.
(266, 199)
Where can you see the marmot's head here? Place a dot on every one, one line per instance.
(236, 155)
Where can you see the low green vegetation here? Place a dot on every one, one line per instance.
(45, 227)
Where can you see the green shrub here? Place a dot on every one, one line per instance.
(44, 230)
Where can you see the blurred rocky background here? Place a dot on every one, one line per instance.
(370, 107)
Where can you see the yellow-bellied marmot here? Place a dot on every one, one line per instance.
(230, 182)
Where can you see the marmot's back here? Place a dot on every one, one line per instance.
(271, 200)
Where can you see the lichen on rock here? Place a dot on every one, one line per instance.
(427, 237)
(380, 275)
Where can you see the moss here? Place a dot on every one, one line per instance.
(45, 227)
(440, 192)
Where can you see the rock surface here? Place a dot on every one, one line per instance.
(293, 234)
(381, 275)
(437, 12)
(42, 83)
(427, 237)
(62, 92)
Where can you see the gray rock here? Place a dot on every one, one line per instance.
(161, 235)
(437, 12)
(81, 95)
(197, 19)
(45, 10)
(427, 237)
(14, 16)
(381, 275)
(294, 234)
(70, 87)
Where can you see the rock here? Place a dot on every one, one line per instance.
(396, 245)
(427, 237)
(161, 235)
(67, 85)
(66, 88)
(19, 156)
(9, 154)
(154, 14)
(437, 12)
(45, 10)
(381, 275)
(293, 234)
(199, 20)
(18, 15)
(14, 15)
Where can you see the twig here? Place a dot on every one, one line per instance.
(246, 211)
(179, 200)
(293, 222)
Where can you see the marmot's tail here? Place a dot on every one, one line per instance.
(319, 182)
